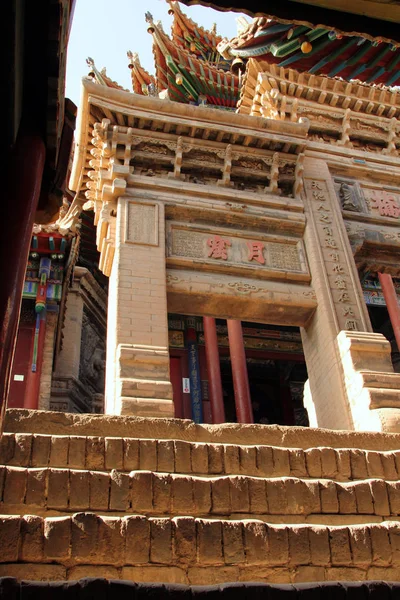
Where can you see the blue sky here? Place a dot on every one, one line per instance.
(106, 29)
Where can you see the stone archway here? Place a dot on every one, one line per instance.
(204, 212)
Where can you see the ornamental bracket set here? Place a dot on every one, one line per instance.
(108, 183)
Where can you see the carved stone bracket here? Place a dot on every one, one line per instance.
(226, 172)
(298, 184)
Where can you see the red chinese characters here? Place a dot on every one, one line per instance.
(385, 203)
(256, 252)
(218, 247)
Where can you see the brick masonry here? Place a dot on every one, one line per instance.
(189, 511)
(194, 550)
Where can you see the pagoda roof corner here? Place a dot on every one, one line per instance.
(141, 79)
(101, 77)
(187, 34)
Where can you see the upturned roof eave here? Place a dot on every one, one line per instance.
(381, 24)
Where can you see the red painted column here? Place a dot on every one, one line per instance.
(392, 304)
(213, 370)
(31, 399)
(244, 411)
(20, 200)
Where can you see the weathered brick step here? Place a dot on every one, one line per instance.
(57, 423)
(177, 456)
(181, 549)
(64, 490)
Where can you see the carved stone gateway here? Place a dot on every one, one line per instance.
(204, 212)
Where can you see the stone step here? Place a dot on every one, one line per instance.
(177, 456)
(189, 550)
(285, 500)
(57, 423)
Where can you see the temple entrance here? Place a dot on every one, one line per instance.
(275, 366)
(276, 388)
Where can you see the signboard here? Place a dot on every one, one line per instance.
(195, 382)
(186, 385)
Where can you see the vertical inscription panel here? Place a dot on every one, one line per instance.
(142, 223)
(337, 271)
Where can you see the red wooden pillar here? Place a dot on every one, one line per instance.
(214, 370)
(20, 200)
(31, 399)
(392, 304)
(244, 411)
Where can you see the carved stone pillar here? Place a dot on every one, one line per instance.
(78, 378)
(137, 371)
(346, 362)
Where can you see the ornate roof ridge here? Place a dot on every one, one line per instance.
(179, 14)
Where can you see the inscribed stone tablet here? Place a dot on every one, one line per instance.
(142, 224)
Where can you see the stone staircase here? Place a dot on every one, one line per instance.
(158, 500)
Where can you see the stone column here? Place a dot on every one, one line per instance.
(66, 373)
(68, 360)
(48, 353)
(137, 371)
(351, 379)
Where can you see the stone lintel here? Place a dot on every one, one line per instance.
(226, 296)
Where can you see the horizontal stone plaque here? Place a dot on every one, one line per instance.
(142, 223)
(249, 253)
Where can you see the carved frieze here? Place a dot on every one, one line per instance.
(92, 362)
(348, 195)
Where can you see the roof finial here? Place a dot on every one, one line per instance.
(214, 28)
(149, 19)
(92, 67)
(133, 58)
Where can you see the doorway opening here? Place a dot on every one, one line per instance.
(275, 364)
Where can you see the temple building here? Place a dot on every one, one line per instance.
(224, 269)
(246, 185)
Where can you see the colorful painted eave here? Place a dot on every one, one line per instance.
(319, 51)
(372, 19)
(187, 77)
